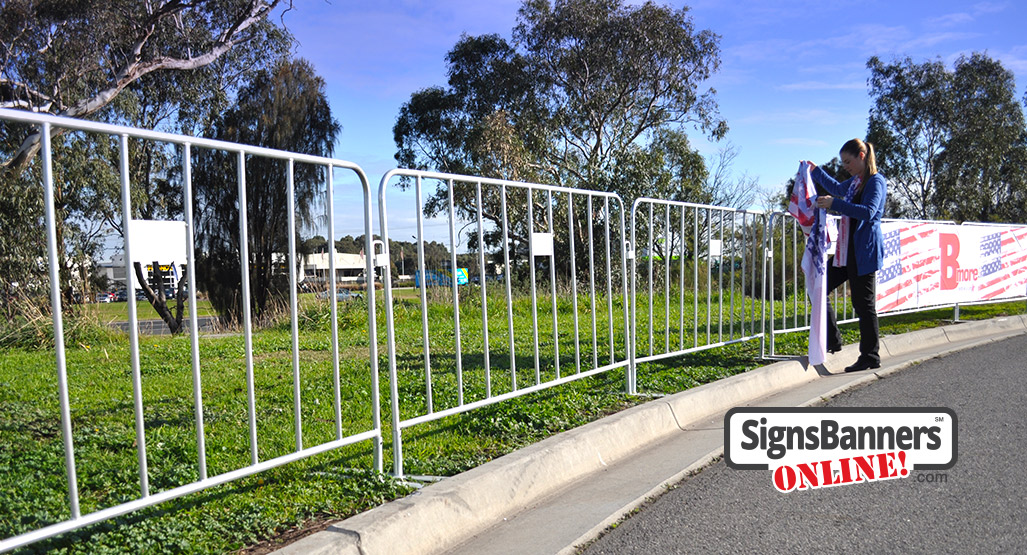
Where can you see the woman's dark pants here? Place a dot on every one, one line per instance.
(863, 290)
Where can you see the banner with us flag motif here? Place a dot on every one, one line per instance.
(928, 264)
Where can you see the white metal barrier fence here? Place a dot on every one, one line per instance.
(717, 250)
(539, 228)
(447, 365)
(47, 127)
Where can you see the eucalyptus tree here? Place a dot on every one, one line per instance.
(909, 127)
(952, 143)
(284, 107)
(74, 58)
(593, 94)
(982, 174)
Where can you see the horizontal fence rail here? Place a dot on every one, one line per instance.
(564, 246)
(700, 263)
(306, 443)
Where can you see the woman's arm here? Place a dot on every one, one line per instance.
(830, 184)
(871, 205)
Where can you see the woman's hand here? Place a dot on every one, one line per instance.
(812, 166)
(824, 202)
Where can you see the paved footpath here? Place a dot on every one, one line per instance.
(978, 505)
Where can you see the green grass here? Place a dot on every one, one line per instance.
(116, 312)
(339, 483)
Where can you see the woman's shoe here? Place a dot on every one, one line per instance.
(862, 364)
(833, 348)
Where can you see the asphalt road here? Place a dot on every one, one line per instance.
(158, 327)
(977, 506)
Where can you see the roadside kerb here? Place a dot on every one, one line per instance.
(445, 513)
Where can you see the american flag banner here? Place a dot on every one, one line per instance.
(814, 260)
(910, 268)
(1003, 263)
(928, 264)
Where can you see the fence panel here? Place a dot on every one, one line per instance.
(549, 306)
(272, 440)
(701, 264)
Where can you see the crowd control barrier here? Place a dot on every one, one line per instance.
(303, 441)
(701, 263)
(574, 238)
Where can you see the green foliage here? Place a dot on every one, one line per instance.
(953, 144)
(982, 174)
(283, 108)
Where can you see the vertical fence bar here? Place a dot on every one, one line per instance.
(244, 256)
(372, 316)
(58, 317)
(709, 272)
(509, 292)
(531, 275)
(484, 296)
(796, 257)
(631, 325)
(194, 327)
(734, 217)
(390, 334)
(609, 275)
(333, 309)
(649, 266)
(745, 262)
(666, 279)
(552, 283)
(424, 298)
(592, 284)
(681, 283)
(294, 306)
(574, 282)
(695, 277)
(631, 375)
(456, 297)
(720, 279)
(133, 332)
(784, 275)
(773, 304)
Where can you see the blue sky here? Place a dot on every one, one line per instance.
(792, 82)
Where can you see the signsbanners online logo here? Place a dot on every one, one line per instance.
(815, 447)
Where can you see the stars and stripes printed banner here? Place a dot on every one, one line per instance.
(928, 264)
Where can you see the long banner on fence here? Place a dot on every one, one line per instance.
(928, 264)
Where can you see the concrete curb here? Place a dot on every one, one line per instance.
(445, 513)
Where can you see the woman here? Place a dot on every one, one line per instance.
(860, 249)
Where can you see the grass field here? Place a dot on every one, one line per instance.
(342, 482)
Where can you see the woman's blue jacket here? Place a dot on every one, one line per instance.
(866, 217)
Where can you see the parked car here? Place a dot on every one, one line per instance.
(341, 295)
(104, 297)
(121, 296)
(140, 295)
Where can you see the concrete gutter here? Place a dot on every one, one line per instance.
(444, 514)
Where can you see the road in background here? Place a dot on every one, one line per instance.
(158, 327)
(978, 505)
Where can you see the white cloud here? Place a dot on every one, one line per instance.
(815, 115)
(822, 86)
(950, 20)
(799, 141)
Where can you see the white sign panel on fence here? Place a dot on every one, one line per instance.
(163, 241)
